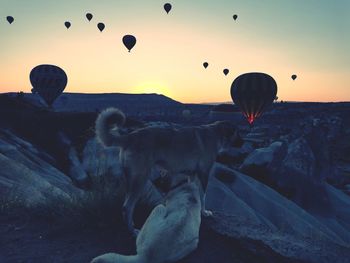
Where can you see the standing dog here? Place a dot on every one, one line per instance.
(171, 231)
(176, 150)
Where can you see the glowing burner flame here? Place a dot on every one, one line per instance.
(251, 119)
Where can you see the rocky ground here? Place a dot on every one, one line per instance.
(283, 196)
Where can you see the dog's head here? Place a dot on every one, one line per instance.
(229, 134)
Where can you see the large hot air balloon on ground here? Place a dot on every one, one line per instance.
(253, 93)
(10, 19)
(48, 81)
(129, 41)
(167, 8)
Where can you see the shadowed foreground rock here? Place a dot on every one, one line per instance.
(253, 210)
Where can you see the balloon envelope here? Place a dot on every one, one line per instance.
(67, 24)
(129, 41)
(167, 8)
(235, 17)
(226, 71)
(205, 64)
(253, 93)
(48, 81)
(89, 16)
(101, 26)
(10, 19)
(294, 77)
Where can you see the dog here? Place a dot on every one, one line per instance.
(175, 150)
(171, 231)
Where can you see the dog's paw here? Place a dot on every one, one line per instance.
(207, 213)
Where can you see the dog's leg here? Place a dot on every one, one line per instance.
(204, 178)
(135, 189)
(128, 212)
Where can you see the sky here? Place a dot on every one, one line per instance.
(309, 38)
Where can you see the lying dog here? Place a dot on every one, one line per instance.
(171, 231)
(175, 150)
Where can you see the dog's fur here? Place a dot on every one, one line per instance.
(176, 150)
(171, 231)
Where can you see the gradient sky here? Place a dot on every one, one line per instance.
(280, 37)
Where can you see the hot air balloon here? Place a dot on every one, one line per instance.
(294, 77)
(48, 81)
(205, 64)
(101, 26)
(167, 8)
(226, 71)
(129, 41)
(10, 19)
(235, 17)
(253, 93)
(67, 24)
(89, 16)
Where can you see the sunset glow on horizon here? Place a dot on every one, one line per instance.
(306, 38)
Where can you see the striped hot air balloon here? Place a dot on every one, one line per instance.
(48, 81)
(253, 93)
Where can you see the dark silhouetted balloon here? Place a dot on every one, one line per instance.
(294, 77)
(101, 26)
(67, 24)
(235, 17)
(89, 16)
(205, 64)
(10, 19)
(253, 93)
(129, 41)
(167, 8)
(48, 81)
(226, 71)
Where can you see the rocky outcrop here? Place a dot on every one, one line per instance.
(244, 207)
(263, 162)
(28, 177)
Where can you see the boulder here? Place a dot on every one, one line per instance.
(100, 161)
(247, 147)
(76, 169)
(299, 178)
(244, 207)
(26, 179)
(102, 166)
(231, 156)
(262, 162)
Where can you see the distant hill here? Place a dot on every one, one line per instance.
(131, 103)
(147, 107)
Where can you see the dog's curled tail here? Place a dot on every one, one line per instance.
(107, 126)
(117, 258)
